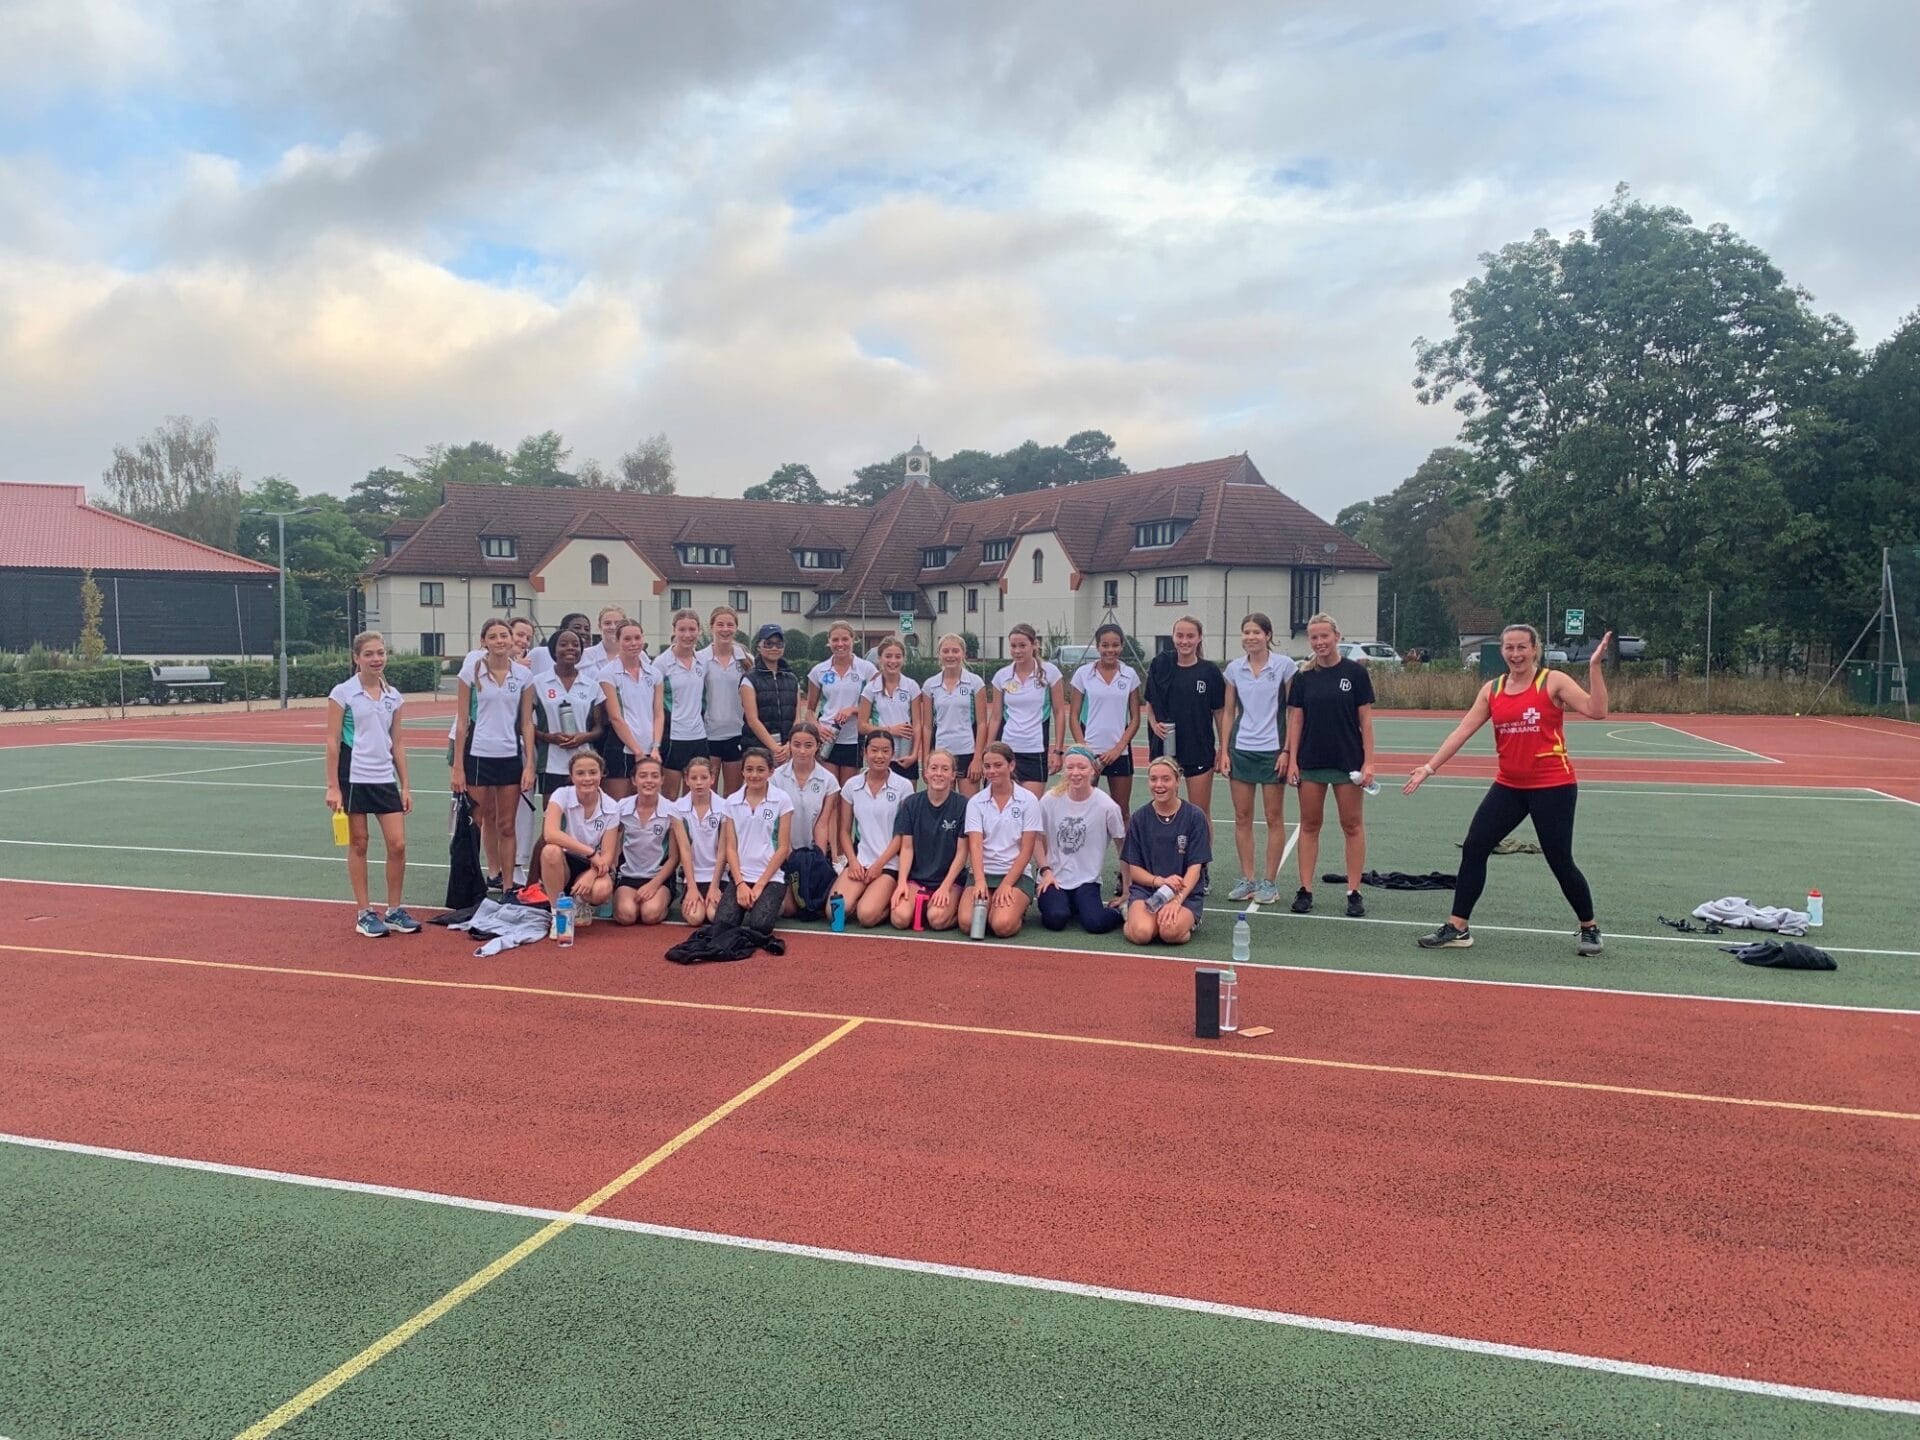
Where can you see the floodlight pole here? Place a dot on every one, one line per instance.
(279, 517)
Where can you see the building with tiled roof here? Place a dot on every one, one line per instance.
(163, 595)
(1211, 539)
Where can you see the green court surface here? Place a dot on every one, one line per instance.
(250, 820)
(251, 1289)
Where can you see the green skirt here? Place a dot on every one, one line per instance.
(1326, 777)
(1254, 767)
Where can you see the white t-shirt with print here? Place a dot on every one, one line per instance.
(1078, 834)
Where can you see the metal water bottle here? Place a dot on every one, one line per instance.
(978, 930)
(563, 920)
(567, 721)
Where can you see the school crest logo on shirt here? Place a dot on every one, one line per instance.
(1345, 684)
(1180, 844)
(946, 825)
(1200, 687)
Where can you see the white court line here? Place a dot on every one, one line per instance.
(1900, 798)
(1352, 1329)
(1702, 790)
(1155, 953)
(164, 774)
(1733, 935)
(1706, 740)
(237, 747)
(1910, 734)
(412, 864)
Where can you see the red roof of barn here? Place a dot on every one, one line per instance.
(51, 527)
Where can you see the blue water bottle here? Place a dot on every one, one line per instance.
(563, 920)
(838, 905)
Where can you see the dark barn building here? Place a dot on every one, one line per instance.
(163, 597)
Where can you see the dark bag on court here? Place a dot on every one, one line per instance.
(1782, 955)
(466, 880)
(810, 877)
(724, 942)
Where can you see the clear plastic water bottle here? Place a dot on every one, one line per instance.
(1242, 939)
(978, 930)
(1816, 909)
(563, 920)
(1372, 789)
(1160, 897)
(1229, 1002)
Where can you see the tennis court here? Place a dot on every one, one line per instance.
(263, 1178)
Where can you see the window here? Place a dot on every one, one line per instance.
(826, 600)
(940, 602)
(394, 542)
(1039, 567)
(903, 602)
(1305, 601)
(819, 559)
(679, 599)
(498, 547)
(1170, 590)
(433, 644)
(705, 554)
(973, 601)
(1110, 593)
(789, 602)
(737, 599)
(938, 557)
(992, 550)
(433, 593)
(597, 570)
(503, 597)
(1158, 534)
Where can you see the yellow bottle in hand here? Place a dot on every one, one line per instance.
(340, 831)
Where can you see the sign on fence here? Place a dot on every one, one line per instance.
(1576, 622)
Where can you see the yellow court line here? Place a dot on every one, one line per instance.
(480, 1279)
(1308, 1061)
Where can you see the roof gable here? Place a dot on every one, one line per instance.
(52, 527)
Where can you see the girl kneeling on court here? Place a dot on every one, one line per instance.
(1168, 847)
(930, 825)
(581, 842)
(643, 887)
(697, 821)
(1003, 827)
(869, 802)
(367, 770)
(1080, 822)
(757, 836)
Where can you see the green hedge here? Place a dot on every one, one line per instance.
(102, 684)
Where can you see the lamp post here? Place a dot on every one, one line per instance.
(280, 518)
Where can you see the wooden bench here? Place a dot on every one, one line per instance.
(172, 680)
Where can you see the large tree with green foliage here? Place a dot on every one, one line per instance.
(794, 483)
(1427, 527)
(980, 474)
(171, 479)
(326, 556)
(1625, 393)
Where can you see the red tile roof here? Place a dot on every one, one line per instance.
(51, 527)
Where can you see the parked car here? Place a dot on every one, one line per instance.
(1067, 657)
(1631, 647)
(1371, 652)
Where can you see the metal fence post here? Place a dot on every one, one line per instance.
(1709, 649)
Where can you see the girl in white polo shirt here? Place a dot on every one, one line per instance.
(697, 821)
(833, 700)
(1028, 703)
(953, 711)
(758, 835)
(581, 844)
(1003, 825)
(868, 804)
(493, 744)
(1256, 753)
(683, 686)
(890, 702)
(727, 666)
(635, 709)
(1104, 714)
(649, 850)
(367, 775)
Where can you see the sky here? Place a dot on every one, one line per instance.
(789, 230)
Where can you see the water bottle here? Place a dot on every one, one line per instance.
(978, 930)
(919, 909)
(1167, 742)
(343, 832)
(563, 920)
(1229, 1002)
(1160, 897)
(1373, 789)
(1242, 939)
(567, 722)
(1816, 909)
(837, 907)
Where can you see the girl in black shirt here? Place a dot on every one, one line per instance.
(1329, 741)
(1187, 694)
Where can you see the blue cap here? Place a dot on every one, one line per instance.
(769, 632)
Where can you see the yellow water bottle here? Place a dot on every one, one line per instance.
(340, 832)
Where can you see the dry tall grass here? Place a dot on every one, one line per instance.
(1426, 688)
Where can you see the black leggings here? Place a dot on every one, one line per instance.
(1502, 810)
(763, 915)
(1084, 903)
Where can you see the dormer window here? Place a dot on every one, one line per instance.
(1158, 534)
(498, 547)
(994, 550)
(705, 554)
(819, 559)
(903, 602)
(938, 557)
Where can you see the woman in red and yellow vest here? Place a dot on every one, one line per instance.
(1528, 708)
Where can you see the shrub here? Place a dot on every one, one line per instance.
(13, 692)
(50, 688)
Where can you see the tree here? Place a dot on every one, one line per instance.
(647, 469)
(541, 460)
(92, 644)
(793, 483)
(172, 479)
(980, 475)
(1093, 451)
(1624, 395)
(1427, 528)
(327, 553)
(385, 493)
(475, 463)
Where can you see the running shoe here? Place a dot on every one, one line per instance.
(400, 922)
(1266, 893)
(371, 925)
(493, 883)
(1447, 937)
(1302, 900)
(1589, 942)
(1356, 907)
(1243, 891)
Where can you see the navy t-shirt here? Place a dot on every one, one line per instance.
(1168, 844)
(1329, 702)
(1187, 697)
(936, 831)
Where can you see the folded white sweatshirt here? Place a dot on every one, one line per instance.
(1738, 913)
